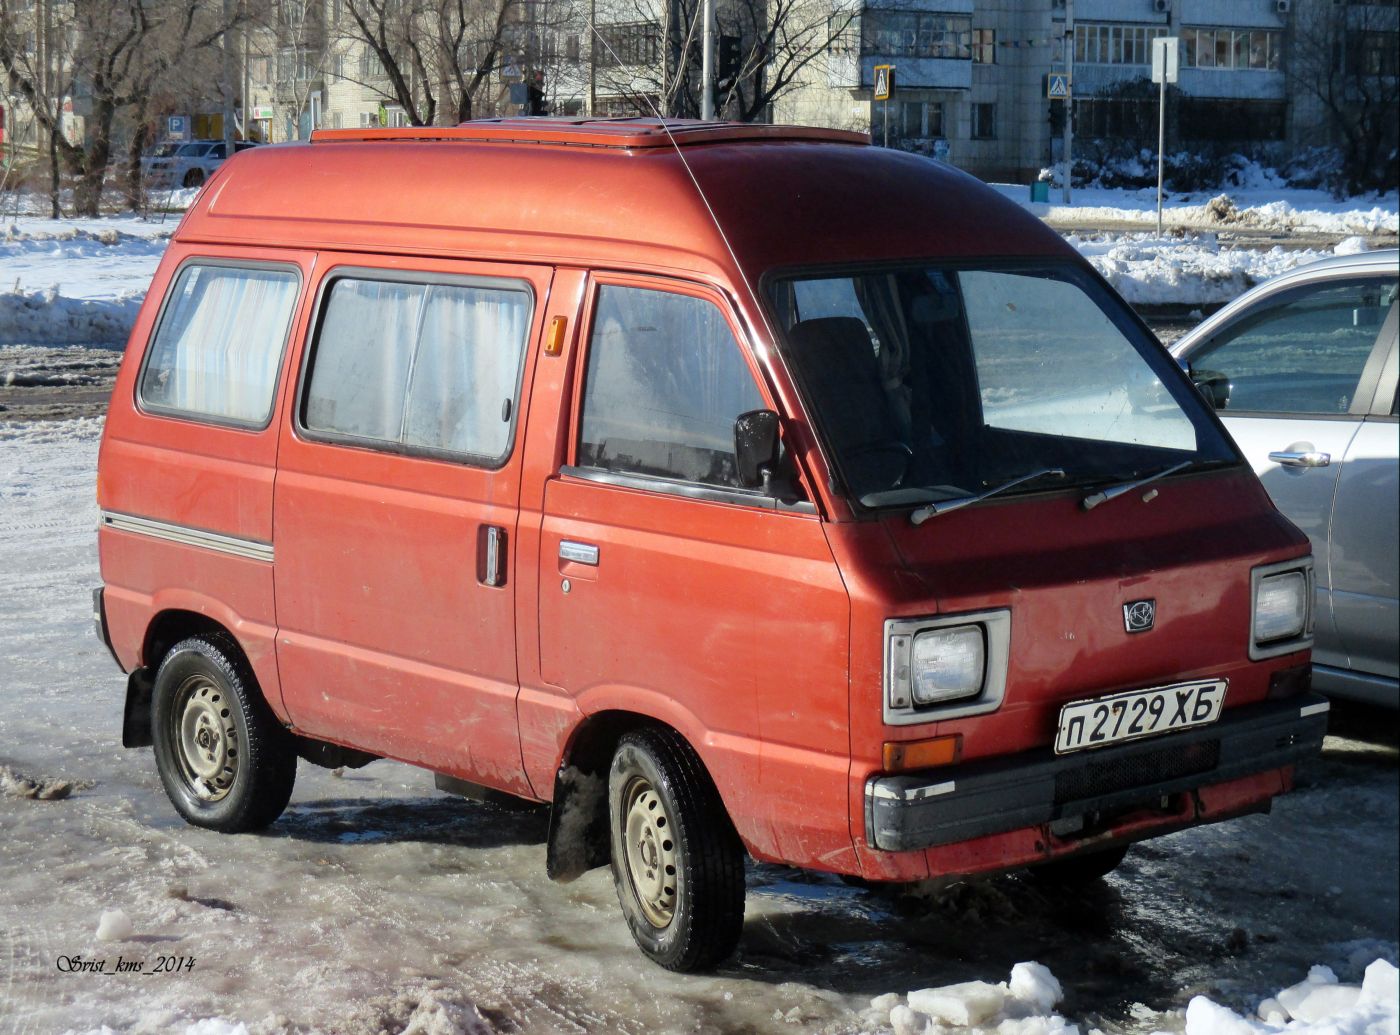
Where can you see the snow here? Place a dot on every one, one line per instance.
(1256, 207)
(114, 926)
(1317, 1005)
(76, 281)
(1196, 269)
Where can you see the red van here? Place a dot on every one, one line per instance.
(736, 490)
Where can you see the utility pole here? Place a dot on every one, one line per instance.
(1069, 100)
(707, 64)
(593, 58)
(226, 76)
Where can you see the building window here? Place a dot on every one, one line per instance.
(909, 121)
(1375, 54)
(984, 46)
(1210, 118)
(636, 43)
(1096, 44)
(984, 121)
(916, 34)
(1232, 49)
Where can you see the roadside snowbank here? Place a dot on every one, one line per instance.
(1150, 270)
(1280, 209)
(76, 282)
(1023, 1005)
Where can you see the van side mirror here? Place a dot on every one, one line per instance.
(756, 447)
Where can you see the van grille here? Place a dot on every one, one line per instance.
(1139, 770)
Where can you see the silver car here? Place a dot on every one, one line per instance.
(1302, 370)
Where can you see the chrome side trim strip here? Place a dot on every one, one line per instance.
(186, 536)
(1314, 709)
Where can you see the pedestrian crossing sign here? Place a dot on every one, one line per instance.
(884, 82)
(1057, 86)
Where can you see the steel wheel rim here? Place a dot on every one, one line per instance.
(205, 739)
(648, 836)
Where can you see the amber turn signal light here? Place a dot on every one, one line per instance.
(554, 341)
(922, 754)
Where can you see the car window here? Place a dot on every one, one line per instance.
(665, 381)
(1302, 351)
(432, 368)
(219, 345)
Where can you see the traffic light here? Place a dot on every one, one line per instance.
(730, 58)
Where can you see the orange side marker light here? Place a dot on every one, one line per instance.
(922, 754)
(554, 340)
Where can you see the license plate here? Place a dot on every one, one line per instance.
(1138, 713)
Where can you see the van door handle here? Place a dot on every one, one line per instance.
(580, 553)
(491, 555)
(1310, 458)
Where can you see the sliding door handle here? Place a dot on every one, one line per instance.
(491, 555)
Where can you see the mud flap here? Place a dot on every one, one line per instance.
(136, 718)
(578, 825)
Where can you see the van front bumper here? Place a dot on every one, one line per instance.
(909, 813)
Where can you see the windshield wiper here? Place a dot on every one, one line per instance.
(1092, 500)
(921, 515)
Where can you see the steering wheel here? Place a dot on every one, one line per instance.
(890, 446)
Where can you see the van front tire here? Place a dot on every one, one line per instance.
(224, 759)
(677, 863)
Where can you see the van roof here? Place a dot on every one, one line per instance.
(611, 193)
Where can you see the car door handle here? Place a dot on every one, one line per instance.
(579, 553)
(1311, 458)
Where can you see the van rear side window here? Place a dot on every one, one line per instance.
(418, 367)
(219, 345)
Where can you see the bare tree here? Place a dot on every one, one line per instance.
(1344, 56)
(769, 43)
(121, 48)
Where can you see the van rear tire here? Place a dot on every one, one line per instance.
(677, 863)
(225, 761)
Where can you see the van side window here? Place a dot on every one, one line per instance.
(427, 368)
(219, 345)
(665, 381)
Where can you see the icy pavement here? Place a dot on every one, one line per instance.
(376, 904)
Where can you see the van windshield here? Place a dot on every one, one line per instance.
(932, 383)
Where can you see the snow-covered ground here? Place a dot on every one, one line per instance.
(76, 281)
(1268, 208)
(376, 904)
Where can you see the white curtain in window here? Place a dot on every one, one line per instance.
(219, 347)
(466, 368)
(363, 355)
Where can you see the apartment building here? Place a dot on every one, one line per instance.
(971, 75)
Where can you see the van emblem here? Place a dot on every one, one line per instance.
(1139, 615)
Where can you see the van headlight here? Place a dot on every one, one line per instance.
(948, 663)
(941, 668)
(1282, 596)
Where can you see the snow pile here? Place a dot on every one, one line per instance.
(1019, 1006)
(1317, 1005)
(1150, 270)
(1259, 208)
(48, 318)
